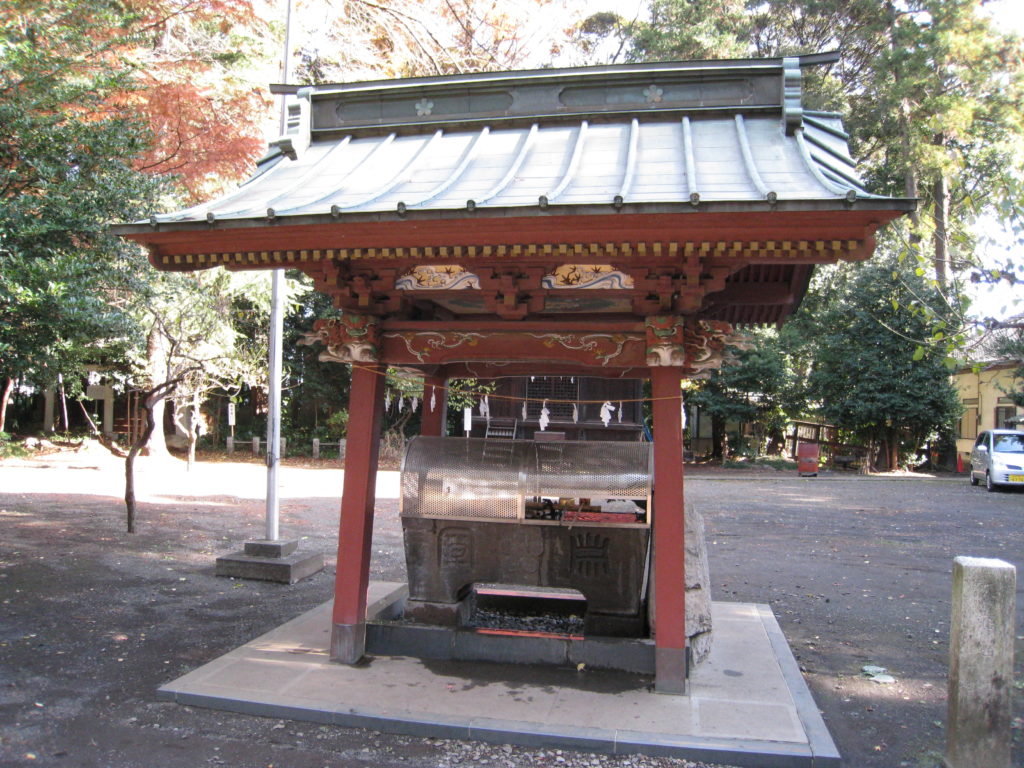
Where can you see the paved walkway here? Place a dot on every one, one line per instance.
(748, 704)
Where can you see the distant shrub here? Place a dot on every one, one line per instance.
(763, 462)
(11, 448)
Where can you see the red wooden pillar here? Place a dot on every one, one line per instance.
(432, 422)
(355, 528)
(669, 532)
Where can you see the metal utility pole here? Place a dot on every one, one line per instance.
(273, 559)
(276, 332)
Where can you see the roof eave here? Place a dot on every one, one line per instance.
(893, 206)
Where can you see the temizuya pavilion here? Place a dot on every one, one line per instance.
(615, 221)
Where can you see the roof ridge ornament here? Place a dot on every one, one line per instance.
(285, 146)
(297, 125)
(792, 94)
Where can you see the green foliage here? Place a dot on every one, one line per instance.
(693, 29)
(315, 392)
(206, 331)
(65, 173)
(865, 377)
(1008, 344)
(764, 462)
(761, 388)
(932, 93)
(337, 424)
(462, 394)
(12, 449)
(56, 316)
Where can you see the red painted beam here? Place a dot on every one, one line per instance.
(553, 347)
(485, 370)
(355, 527)
(669, 532)
(564, 324)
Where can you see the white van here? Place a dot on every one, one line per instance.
(998, 458)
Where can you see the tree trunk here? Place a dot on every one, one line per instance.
(88, 419)
(64, 404)
(5, 398)
(940, 238)
(717, 437)
(904, 119)
(156, 365)
(193, 430)
(909, 171)
(149, 400)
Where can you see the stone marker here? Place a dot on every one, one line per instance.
(698, 588)
(980, 663)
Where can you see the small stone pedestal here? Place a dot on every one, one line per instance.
(979, 722)
(270, 561)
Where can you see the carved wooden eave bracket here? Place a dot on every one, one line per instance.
(696, 346)
(350, 338)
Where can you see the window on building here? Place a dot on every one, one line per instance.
(560, 392)
(967, 427)
(1004, 414)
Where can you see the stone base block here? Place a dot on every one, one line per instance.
(425, 641)
(671, 668)
(440, 614)
(348, 643)
(285, 570)
(271, 548)
(610, 625)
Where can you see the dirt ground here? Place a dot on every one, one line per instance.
(92, 620)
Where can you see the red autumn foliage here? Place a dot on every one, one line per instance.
(207, 115)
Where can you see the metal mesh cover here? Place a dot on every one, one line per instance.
(592, 469)
(458, 477)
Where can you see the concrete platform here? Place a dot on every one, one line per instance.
(748, 704)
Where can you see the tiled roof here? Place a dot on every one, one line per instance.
(656, 138)
(706, 159)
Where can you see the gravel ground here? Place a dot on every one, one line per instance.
(92, 620)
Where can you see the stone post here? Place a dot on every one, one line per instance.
(108, 411)
(231, 445)
(48, 398)
(255, 446)
(980, 663)
(316, 447)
